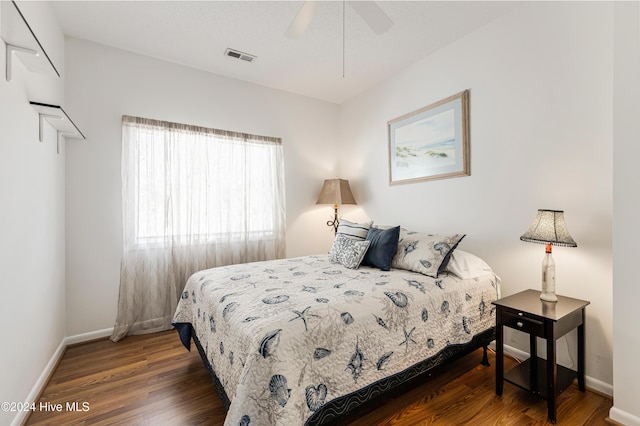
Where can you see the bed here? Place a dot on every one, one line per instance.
(305, 340)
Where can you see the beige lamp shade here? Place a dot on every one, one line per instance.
(336, 192)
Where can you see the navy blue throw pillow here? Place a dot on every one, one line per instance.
(384, 245)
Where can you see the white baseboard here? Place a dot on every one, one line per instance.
(590, 382)
(40, 383)
(600, 386)
(85, 337)
(51, 365)
(623, 417)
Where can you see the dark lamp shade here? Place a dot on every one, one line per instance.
(549, 228)
(336, 192)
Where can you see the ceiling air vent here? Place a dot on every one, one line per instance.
(240, 55)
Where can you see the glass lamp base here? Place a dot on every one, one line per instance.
(548, 297)
(548, 293)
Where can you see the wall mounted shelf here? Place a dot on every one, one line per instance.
(59, 119)
(22, 42)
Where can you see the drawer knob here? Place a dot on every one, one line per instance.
(519, 324)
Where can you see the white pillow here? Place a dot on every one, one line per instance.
(466, 265)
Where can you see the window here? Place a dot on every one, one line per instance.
(192, 198)
(196, 185)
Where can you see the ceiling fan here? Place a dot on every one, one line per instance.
(369, 11)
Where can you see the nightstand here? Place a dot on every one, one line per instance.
(525, 311)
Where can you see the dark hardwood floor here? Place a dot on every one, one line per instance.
(153, 380)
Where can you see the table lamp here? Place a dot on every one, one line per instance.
(549, 228)
(336, 192)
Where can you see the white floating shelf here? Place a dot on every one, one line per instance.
(22, 42)
(59, 120)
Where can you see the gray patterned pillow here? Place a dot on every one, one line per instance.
(349, 253)
(424, 253)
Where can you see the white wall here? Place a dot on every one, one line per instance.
(541, 137)
(104, 83)
(32, 248)
(626, 209)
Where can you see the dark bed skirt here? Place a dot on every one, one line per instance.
(338, 408)
(185, 331)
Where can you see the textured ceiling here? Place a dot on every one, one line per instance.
(196, 34)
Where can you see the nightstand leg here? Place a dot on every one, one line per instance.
(499, 353)
(533, 358)
(581, 354)
(552, 373)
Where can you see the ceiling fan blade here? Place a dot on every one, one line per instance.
(371, 13)
(301, 21)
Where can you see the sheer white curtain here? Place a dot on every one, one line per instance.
(192, 198)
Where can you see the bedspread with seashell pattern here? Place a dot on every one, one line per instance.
(286, 336)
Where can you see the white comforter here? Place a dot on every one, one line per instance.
(286, 336)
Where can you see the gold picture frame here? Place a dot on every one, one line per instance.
(431, 143)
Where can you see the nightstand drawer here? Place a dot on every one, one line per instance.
(520, 321)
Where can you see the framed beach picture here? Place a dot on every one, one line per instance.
(431, 143)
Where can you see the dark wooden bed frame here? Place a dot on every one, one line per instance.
(335, 411)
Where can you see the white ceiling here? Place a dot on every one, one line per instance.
(197, 33)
